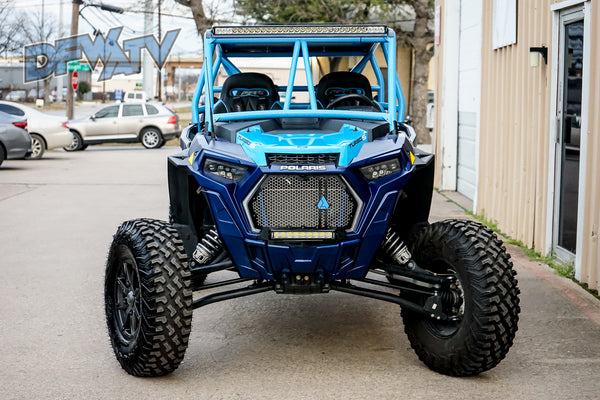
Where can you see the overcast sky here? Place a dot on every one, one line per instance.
(174, 16)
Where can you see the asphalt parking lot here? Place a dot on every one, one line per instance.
(57, 218)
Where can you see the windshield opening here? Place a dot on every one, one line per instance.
(293, 77)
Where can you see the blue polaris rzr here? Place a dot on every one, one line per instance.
(301, 189)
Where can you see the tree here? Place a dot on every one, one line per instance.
(206, 13)
(420, 39)
(82, 88)
(10, 26)
(41, 28)
(308, 11)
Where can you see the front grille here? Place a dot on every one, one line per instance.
(302, 202)
(303, 159)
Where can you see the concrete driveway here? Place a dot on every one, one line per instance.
(57, 217)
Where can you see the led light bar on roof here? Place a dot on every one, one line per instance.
(300, 30)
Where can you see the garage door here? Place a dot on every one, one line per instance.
(469, 89)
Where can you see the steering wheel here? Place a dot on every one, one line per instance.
(353, 100)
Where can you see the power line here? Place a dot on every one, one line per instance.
(35, 5)
(163, 14)
(118, 21)
(100, 16)
(103, 18)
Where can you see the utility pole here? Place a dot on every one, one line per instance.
(148, 67)
(103, 66)
(59, 80)
(159, 56)
(74, 31)
(42, 38)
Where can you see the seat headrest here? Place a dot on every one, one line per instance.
(340, 83)
(249, 91)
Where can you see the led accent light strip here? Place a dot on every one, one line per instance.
(302, 235)
(300, 30)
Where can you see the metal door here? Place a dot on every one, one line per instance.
(132, 120)
(569, 132)
(103, 124)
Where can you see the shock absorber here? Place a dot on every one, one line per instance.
(395, 247)
(208, 247)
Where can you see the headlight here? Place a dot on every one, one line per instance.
(381, 169)
(224, 169)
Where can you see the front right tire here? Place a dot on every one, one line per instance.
(483, 301)
(148, 297)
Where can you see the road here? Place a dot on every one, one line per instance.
(57, 217)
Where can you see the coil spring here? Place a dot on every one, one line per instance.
(208, 247)
(395, 247)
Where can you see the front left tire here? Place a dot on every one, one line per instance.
(148, 297)
(77, 143)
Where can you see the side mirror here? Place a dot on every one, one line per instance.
(93, 117)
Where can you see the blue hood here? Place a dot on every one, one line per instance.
(347, 142)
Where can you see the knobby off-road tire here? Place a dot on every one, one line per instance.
(148, 297)
(488, 308)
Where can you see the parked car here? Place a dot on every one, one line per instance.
(149, 123)
(15, 141)
(47, 131)
(16, 95)
(33, 95)
(64, 94)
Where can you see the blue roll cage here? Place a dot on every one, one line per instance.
(220, 47)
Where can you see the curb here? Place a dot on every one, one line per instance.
(585, 302)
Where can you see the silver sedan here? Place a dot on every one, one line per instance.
(47, 131)
(152, 124)
(15, 142)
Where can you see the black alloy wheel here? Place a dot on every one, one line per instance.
(127, 295)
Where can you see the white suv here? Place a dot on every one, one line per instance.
(136, 96)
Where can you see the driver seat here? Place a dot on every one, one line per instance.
(341, 83)
(248, 91)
